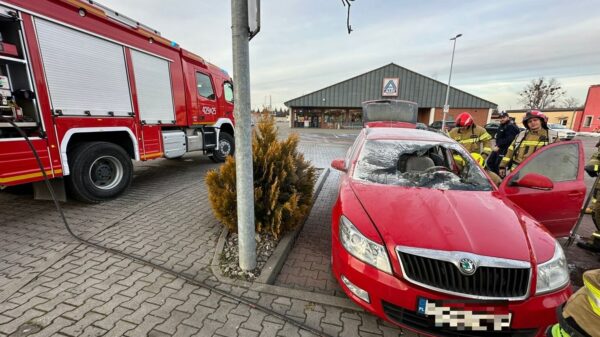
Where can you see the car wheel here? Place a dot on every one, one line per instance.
(99, 171)
(225, 147)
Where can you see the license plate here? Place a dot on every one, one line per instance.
(463, 315)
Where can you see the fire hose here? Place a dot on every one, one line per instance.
(148, 263)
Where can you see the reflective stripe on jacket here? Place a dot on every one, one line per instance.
(474, 139)
(525, 144)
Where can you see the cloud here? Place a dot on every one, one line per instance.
(303, 45)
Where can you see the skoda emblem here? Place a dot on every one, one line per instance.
(467, 266)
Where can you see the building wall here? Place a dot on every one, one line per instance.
(591, 112)
(554, 117)
(479, 115)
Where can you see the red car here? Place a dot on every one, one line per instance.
(423, 238)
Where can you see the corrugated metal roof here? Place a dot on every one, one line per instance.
(414, 87)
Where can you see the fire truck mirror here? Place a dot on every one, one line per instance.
(25, 94)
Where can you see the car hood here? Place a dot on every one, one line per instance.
(478, 222)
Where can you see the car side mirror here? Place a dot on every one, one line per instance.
(339, 165)
(535, 181)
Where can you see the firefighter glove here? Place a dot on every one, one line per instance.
(592, 170)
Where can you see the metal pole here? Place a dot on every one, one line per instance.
(449, 79)
(243, 134)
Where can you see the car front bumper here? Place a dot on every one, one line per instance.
(395, 300)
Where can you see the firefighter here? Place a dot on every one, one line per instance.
(580, 316)
(535, 136)
(473, 137)
(592, 168)
(507, 131)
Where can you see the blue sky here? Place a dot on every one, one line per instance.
(303, 45)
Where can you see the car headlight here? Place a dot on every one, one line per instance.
(362, 248)
(554, 274)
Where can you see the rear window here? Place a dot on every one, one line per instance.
(444, 166)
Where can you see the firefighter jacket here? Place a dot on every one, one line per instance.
(474, 139)
(505, 135)
(594, 162)
(526, 143)
(583, 307)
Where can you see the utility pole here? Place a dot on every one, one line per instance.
(243, 134)
(446, 106)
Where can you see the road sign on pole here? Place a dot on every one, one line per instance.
(446, 108)
(253, 18)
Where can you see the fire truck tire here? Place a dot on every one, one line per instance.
(99, 171)
(225, 147)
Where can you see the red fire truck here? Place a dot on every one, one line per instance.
(94, 89)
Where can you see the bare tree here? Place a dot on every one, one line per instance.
(571, 102)
(541, 94)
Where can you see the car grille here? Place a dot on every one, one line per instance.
(491, 282)
(426, 324)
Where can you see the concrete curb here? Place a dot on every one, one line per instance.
(274, 265)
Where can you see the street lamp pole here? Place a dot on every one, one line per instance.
(446, 106)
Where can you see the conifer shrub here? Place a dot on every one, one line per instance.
(283, 183)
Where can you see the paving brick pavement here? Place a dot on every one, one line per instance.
(164, 218)
(308, 264)
(59, 287)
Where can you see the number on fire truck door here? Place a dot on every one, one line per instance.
(207, 99)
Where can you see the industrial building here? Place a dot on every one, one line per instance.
(339, 105)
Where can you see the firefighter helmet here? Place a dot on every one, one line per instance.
(464, 119)
(535, 114)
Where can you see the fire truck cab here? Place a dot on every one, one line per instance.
(93, 90)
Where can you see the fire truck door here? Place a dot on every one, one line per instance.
(207, 98)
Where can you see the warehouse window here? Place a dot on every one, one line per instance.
(205, 88)
(588, 121)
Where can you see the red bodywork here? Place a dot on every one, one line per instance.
(17, 164)
(497, 224)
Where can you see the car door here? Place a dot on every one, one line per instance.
(557, 208)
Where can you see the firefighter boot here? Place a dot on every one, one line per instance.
(593, 245)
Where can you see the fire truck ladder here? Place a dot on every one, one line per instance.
(121, 18)
(209, 138)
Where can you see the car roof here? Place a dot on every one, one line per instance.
(405, 133)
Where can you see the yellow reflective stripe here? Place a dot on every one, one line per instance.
(485, 137)
(470, 140)
(151, 155)
(505, 160)
(557, 331)
(532, 142)
(29, 176)
(511, 148)
(596, 168)
(593, 295)
(487, 150)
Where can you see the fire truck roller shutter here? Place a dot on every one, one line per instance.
(86, 75)
(153, 84)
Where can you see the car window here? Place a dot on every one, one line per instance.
(205, 88)
(352, 151)
(228, 92)
(559, 163)
(419, 164)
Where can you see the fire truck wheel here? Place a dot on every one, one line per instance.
(225, 147)
(99, 171)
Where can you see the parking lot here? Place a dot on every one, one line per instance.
(51, 284)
